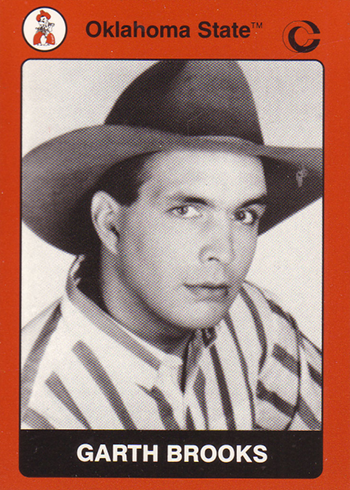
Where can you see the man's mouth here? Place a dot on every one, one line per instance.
(209, 291)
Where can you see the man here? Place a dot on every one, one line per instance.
(44, 36)
(163, 205)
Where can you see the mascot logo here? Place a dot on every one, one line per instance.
(43, 35)
(44, 29)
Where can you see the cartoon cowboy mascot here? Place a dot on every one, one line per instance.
(43, 35)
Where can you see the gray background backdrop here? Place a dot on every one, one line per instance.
(62, 95)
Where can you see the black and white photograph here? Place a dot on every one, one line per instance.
(171, 253)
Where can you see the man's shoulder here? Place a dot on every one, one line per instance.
(265, 306)
(272, 317)
(289, 369)
(263, 295)
(39, 328)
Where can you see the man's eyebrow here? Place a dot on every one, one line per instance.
(261, 200)
(182, 198)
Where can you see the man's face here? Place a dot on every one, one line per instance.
(43, 21)
(186, 244)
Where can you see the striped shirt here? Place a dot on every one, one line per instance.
(253, 371)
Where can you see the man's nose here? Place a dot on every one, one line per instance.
(218, 242)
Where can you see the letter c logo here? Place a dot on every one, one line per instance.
(293, 39)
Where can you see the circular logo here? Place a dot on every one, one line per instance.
(44, 29)
(301, 36)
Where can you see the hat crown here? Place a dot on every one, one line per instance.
(193, 98)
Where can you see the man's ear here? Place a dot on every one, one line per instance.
(105, 215)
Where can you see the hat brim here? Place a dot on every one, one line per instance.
(59, 173)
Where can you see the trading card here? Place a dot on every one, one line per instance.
(175, 281)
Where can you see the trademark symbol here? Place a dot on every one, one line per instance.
(257, 25)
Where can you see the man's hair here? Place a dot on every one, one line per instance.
(122, 181)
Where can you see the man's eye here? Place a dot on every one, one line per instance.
(247, 216)
(186, 212)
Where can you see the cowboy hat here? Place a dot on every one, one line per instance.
(174, 104)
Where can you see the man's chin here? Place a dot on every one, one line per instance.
(204, 316)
